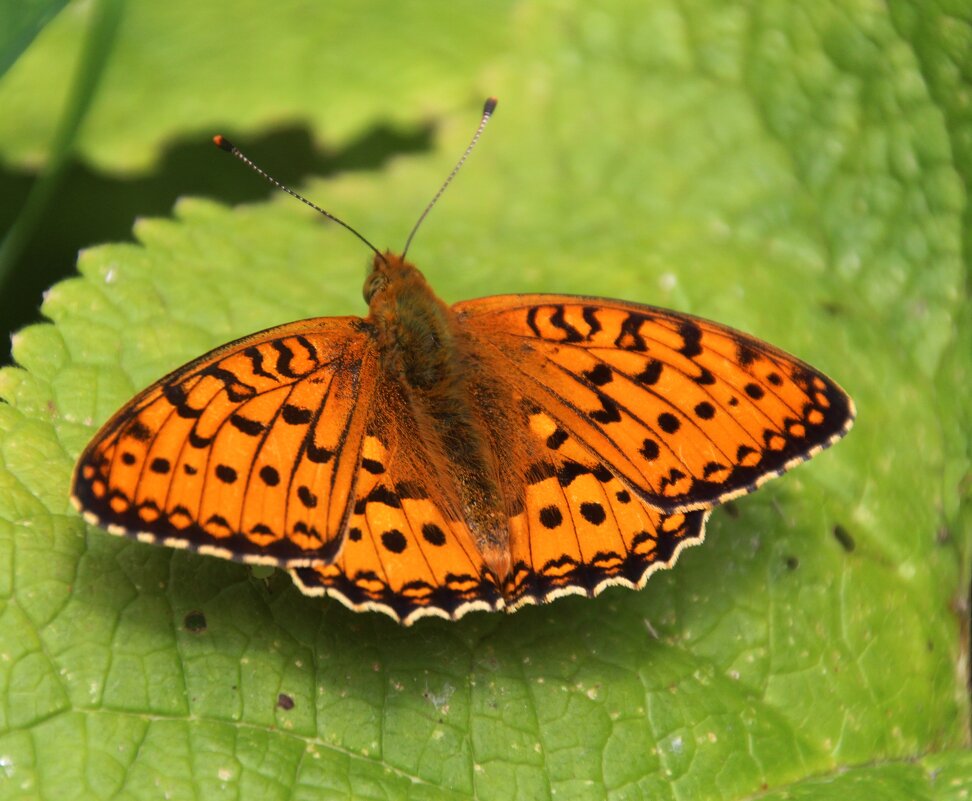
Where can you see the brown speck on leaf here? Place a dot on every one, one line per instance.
(843, 536)
(195, 622)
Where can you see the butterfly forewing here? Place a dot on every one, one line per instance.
(249, 452)
(688, 412)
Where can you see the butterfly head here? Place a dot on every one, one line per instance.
(389, 276)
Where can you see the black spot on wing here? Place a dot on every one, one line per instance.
(295, 415)
(306, 497)
(599, 375)
(137, 430)
(743, 452)
(557, 320)
(609, 411)
(691, 338)
(197, 440)
(309, 347)
(177, 396)
(531, 320)
(219, 521)
(393, 540)
(255, 357)
(649, 449)
(433, 535)
(630, 337)
(668, 422)
(745, 354)
(284, 358)
(558, 438)
(570, 470)
(247, 426)
(315, 453)
(593, 324)
(650, 375)
(379, 494)
(593, 512)
(225, 473)
(602, 474)
(551, 517)
(235, 389)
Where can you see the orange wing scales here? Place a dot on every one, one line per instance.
(403, 555)
(247, 453)
(583, 530)
(689, 412)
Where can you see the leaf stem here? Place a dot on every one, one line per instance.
(102, 30)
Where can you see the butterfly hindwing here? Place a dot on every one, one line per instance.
(404, 553)
(689, 412)
(248, 452)
(582, 530)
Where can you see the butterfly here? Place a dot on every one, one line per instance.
(432, 460)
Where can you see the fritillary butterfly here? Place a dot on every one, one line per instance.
(434, 460)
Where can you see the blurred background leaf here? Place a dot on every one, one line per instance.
(22, 20)
(798, 170)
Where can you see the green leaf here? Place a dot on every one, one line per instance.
(22, 21)
(183, 67)
(796, 170)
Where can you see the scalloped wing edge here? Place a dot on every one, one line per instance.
(527, 599)
(184, 544)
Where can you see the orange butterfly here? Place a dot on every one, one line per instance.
(434, 460)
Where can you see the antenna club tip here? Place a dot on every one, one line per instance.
(490, 105)
(223, 143)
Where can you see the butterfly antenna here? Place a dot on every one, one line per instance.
(225, 144)
(488, 108)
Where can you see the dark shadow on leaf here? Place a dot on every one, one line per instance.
(93, 207)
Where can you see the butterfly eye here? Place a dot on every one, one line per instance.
(374, 283)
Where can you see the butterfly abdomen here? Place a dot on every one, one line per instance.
(424, 352)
